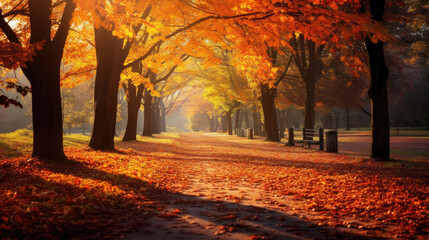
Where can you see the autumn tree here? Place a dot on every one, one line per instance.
(48, 29)
(377, 92)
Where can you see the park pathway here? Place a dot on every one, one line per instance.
(222, 199)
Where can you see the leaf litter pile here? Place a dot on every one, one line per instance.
(227, 187)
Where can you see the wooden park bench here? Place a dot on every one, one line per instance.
(308, 136)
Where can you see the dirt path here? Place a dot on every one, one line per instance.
(222, 200)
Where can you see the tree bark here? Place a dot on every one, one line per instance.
(229, 122)
(110, 58)
(268, 96)
(310, 68)
(246, 118)
(310, 104)
(237, 120)
(216, 123)
(155, 117)
(134, 97)
(224, 124)
(282, 114)
(380, 140)
(255, 121)
(147, 125)
(163, 117)
(43, 72)
(210, 121)
(347, 119)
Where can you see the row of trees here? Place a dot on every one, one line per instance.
(252, 45)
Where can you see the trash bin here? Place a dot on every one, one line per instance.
(332, 141)
(250, 133)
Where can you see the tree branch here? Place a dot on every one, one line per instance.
(10, 34)
(201, 20)
(61, 36)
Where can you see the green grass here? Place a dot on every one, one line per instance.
(76, 140)
(20, 142)
(16, 144)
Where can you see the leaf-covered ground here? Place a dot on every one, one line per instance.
(209, 186)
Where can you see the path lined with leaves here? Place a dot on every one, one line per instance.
(212, 186)
(251, 189)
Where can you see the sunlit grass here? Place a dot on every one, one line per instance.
(75, 140)
(16, 144)
(157, 138)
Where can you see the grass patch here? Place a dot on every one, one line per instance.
(158, 138)
(75, 140)
(16, 144)
(20, 142)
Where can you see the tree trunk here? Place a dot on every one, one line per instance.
(110, 61)
(237, 119)
(155, 117)
(310, 104)
(163, 117)
(347, 119)
(268, 96)
(246, 118)
(131, 129)
(380, 142)
(147, 125)
(212, 124)
(282, 122)
(224, 124)
(46, 106)
(310, 68)
(133, 97)
(229, 123)
(43, 72)
(255, 121)
(216, 123)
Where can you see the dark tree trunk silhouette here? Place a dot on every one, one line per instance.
(134, 97)
(43, 72)
(111, 55)
(308, 60)
(229, 122)
(268, 97)
(246, 118)
(156, 127)
(147, 124)
(347, 119)
(282, 114)
(224, 124)
(310, 104)
(377, 92)
(163, 116)
(255, 120)
(110, 59)
(237, 119)
(210, 120)
(216, 123)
